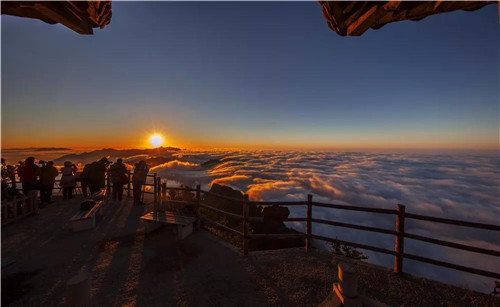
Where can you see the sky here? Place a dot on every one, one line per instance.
(252, 75)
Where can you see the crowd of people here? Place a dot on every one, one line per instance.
(92, 178)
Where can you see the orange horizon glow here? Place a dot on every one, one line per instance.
(143, 142)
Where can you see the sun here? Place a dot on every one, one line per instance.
(156, 140)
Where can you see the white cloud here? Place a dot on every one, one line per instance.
(463, 187)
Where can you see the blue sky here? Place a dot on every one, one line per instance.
(252, 74)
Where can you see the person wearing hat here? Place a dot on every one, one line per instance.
(68, 181)
(48, 176)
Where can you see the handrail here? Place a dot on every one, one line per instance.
(277, 235)
(181, 189)
(452, 222)
(355, 226)
(355, 208)
(181, 202)
(279, 203)
(356, 245)
(479, 250)
(452, 266)
(233, 215)
(222, 196)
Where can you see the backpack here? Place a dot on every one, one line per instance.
(86, 205)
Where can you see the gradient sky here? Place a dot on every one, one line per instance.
(266, 75)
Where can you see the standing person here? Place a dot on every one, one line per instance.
(41, 164)
(139, 179)
(68, 181)
(48, 176)
(118, 178)
(28, 174)
(5, 177)
(84, 179)
(97, 176)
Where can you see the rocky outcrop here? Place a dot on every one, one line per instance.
(272, 224)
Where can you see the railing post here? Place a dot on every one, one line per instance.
(155, 198)
(198, 201)
(399, 244)
(308, 222)
(129, 176)
(245, 224)
(164, 190)
(158, 194)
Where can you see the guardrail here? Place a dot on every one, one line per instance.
(398, 232)
(19, 207)
(160, 189)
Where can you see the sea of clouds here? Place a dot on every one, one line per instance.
(459, 186)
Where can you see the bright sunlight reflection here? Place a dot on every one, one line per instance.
(156, 140)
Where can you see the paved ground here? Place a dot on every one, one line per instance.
(131, 268)
(127, 266)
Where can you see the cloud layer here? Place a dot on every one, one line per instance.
(465, 187)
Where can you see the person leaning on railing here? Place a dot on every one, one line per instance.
(28, 174)
(6, 175)
(84, 180)
(68, 180)
(138, 180)
(48, 176)
(97, 175)
(118, 173)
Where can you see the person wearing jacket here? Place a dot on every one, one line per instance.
(48, 176)
(84, 179)
(138, 180)
(28, 174)
(68, 181)
(97, 175)
(118, 175)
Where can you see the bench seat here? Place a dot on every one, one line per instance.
(183, 222)
(84, 220)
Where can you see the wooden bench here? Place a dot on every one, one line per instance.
(183, 222)
(84, 220)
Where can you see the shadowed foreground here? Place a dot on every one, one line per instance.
(129, 267)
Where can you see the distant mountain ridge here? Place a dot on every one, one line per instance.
(112, 154)
(39, 149)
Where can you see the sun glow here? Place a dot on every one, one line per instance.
(156, 140)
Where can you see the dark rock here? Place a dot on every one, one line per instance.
(275, 213)
(273, 224)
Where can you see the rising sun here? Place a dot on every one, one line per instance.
(156, 140)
